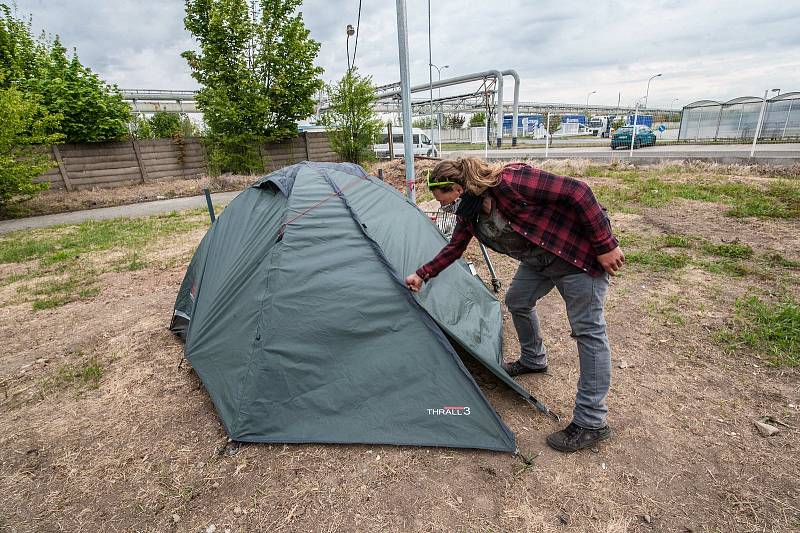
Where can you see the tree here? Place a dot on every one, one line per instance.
(423, 123)
(165, 125)
(555, 123)
(455, 121)
(350, 119)
(256, 66)
(90, 109)
(25, 123)
(477, 120)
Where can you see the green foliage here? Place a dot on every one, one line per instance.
(256, 65)
(25, 122)
(769, 328)
(454, 121)
(85, 374)
(424, 123)
(555, 123)
(89, 109)
(140, 127)
(163, 125)
(240, 153)
(732, 250)
(657, 259)
(477, 120)
(351, 122)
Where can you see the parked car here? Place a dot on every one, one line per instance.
(422, 144)
(622, 137)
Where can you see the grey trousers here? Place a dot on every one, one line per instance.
(585, 298)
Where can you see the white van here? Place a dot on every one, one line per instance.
(422, 144)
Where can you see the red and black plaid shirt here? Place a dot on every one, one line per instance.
(557, 213)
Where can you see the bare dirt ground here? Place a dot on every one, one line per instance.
(144, 450)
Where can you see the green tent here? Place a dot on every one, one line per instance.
(297, 319)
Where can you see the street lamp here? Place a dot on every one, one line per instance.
(777, 91)
(439, 73)
(587, 102)
(350, 32)
(648, 89)
(438, 122)
(673, 102)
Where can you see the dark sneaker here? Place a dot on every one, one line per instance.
(573, 438)
(517, 368)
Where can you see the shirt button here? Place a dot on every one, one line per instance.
(559, 252)
(574, 260)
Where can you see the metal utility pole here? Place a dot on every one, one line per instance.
(635, 120)
(547, 137)
(405, 90)
(760, 122)
(430, 71)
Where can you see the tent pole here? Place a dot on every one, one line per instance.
(210, 205)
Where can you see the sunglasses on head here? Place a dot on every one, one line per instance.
(434, 183)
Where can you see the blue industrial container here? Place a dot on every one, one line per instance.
(567, 119)
(525, 123)
(641, 120)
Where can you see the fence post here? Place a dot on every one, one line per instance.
(62, 168)
(391, 140)
(305, 140)
(142, 168)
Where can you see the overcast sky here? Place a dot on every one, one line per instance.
(562, 50)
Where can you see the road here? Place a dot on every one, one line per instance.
(142, 209)
(773, 154)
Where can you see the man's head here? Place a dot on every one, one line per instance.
(450, 178)
(445, 191)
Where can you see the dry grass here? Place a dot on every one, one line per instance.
(145, 451)
(58, 201)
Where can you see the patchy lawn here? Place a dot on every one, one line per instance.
(105, 427)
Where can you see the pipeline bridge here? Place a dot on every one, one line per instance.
(484, 98)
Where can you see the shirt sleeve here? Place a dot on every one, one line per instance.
(452, 251)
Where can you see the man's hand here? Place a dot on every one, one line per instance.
(611, 261)
(414, 282)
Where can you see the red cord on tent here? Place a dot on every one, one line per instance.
(302, 214)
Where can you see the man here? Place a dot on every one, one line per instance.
(560, 234)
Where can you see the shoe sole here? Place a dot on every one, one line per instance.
(532, 371)
(588, 444)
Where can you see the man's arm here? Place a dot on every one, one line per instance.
(452, 251)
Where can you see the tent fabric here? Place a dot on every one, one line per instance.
(297, 319)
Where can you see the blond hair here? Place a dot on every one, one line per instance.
(473, 174)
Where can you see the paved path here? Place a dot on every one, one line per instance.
(143, 209)
(773, 154)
